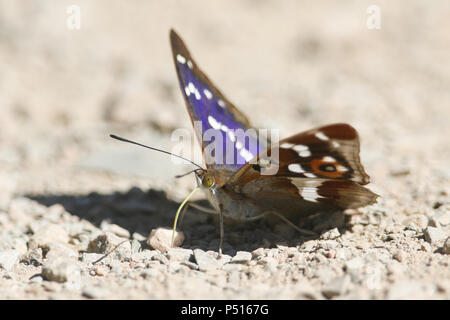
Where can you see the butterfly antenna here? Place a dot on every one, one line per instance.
(185, 174)
(155, 149)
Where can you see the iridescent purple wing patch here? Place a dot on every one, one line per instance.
(214, 117)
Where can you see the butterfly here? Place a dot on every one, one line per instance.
(317, 170)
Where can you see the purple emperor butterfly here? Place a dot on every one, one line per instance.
(318, 170)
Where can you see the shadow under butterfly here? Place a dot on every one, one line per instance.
(318, 170)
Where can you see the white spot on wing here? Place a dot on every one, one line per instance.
(320, 135)
(335, 144)
(310, 194)
(300, 147)
(207, 93)
(224, 128)
(295, 167)
(328, 159)
(304, 153)
(188, 92)
(213, 122)
(197, 94)
(341, 168)
(231, 135)
(309, 175)
(181, 59)
(191, 87)
(286, 145)
(246, 154)
(189, 63)
(307, 188)
(239, 145)
(221, 103)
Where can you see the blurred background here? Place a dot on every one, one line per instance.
(289, 65)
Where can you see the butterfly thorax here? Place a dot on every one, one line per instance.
(228, 202)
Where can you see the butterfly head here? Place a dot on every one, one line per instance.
(204, 179)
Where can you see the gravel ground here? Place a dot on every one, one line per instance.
(69, 195)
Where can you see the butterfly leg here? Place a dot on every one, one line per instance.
(198, 207)
(202, 208)
(300, 230)
(221, 232)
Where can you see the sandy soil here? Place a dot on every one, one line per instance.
(69, 193)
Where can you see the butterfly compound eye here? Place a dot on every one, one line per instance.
(208, 181)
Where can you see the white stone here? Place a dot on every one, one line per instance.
(8, 259)
(161, 239)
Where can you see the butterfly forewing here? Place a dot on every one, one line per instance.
(217, 116)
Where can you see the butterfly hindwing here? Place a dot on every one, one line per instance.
(210, 110)
(320, 166)
(328, 152)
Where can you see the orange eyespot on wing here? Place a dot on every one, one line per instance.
(328, 167)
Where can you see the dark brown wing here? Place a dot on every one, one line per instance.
(320, 166)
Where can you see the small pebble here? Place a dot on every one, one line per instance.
(205, 261)
(230, 267)
(91, 257)
(8, 258)
(417, 221)
(331, 234)
(144, 255)
(399, 255)
(191, 265)
(223, 259)
(139, 237)
(116, 267)
(258, 253)
(101, 270)
(161, 239)
(114, 228)
(434, 235)
(49, 232)
(354, 264)
(179, 254)
(149, 273)
(336, 287)
(406, 290)
(135, 246)
(234, 278)
(308, 246)
(104, 243)
(271, 266)
(51, 286)
(109, 243)
(61, 270)
(33, 257)
(425, 246)
(442, 217)
(395, 269)
(94, 292)
(161, 258)
(59, 249)
(242, 257)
